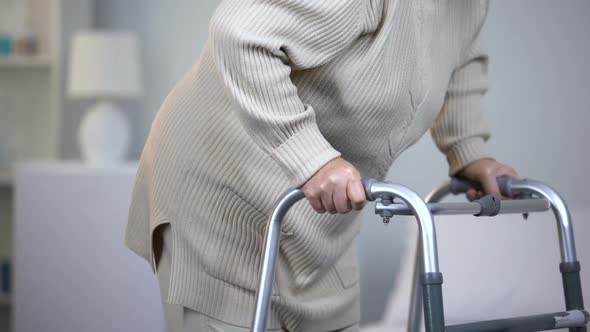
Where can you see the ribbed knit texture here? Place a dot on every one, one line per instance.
(281, 88)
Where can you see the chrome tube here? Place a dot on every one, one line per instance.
(565, 228)
(270, 251)
(385, 190)
(415, 313)
(437, 194)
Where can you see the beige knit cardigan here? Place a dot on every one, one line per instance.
(281, 88)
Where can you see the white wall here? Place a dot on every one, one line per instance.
(171, 34)
(536, 106)
(77, 15)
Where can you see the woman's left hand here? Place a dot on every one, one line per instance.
(485, 171)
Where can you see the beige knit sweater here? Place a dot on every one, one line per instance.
(281, 88)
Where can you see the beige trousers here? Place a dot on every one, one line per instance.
(182, 319)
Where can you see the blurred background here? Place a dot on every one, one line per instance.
(71, 132)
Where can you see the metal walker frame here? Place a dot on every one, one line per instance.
(533, 196)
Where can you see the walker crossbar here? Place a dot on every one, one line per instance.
(430, 277)
(552, 321)
(475, 208)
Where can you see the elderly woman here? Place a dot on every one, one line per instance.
(299, 93)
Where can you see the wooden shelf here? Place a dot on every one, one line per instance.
(25, 61)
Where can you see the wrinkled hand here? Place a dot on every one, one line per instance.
(485, 171)
(335, 188)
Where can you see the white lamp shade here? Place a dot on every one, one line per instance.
(104, 64)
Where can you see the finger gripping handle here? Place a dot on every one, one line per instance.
(459, 185)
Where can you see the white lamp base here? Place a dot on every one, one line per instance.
(103, 135)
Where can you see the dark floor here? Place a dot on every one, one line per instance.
(4, 319)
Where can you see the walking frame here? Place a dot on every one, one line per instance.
(529, 196)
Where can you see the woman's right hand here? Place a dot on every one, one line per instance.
(335, 188)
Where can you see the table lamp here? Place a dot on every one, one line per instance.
(104, 66)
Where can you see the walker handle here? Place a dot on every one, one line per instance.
(460, 185)
(271, 251)
(367, 183)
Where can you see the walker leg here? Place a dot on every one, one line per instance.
(572, 288)
(431, 276)
(570, 267)
(415, 318)
(415, 313)
(434, 317)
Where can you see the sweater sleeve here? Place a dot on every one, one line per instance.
(256, 45)
(460, 131)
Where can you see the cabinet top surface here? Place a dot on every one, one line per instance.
(73, 167)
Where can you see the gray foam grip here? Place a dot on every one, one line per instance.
(459, 185)
(490, 205)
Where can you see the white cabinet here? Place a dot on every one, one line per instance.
(72, 270)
